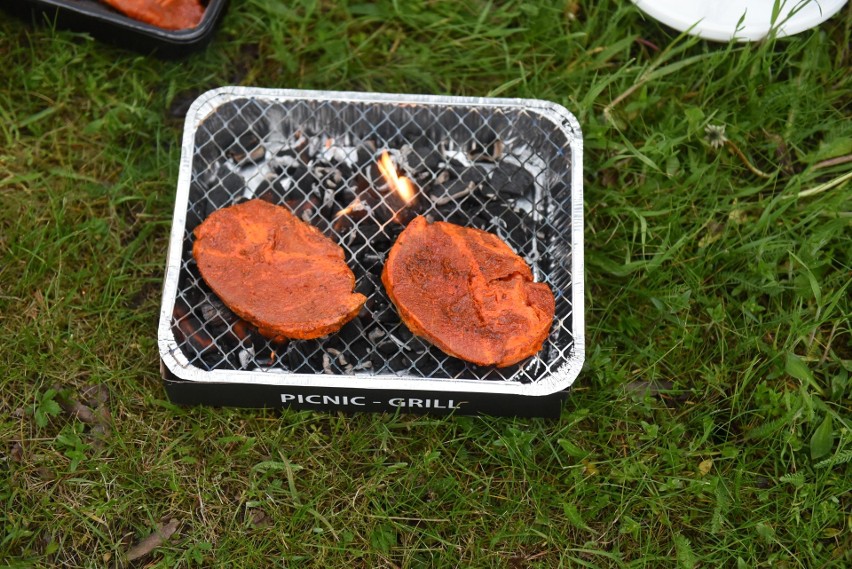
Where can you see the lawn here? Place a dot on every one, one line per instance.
(710, 426)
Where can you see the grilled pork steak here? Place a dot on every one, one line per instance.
(468, 293)
(167, 14)
(276, 271)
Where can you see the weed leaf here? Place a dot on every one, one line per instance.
(795, 367)
(822, 439)
(573, 515)
(840, 458)
(47, 407)
(685, 556)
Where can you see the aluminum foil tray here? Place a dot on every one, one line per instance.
(509, 166)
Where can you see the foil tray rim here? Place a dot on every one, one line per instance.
(206, 103)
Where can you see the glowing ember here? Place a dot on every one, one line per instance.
(356, 205)
(400, 184)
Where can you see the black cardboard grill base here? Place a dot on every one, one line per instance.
(188, 393)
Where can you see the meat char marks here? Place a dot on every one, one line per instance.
(276, 271)
(468, 293)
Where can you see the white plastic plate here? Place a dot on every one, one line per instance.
(720, 20)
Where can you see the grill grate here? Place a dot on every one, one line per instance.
(502, 168)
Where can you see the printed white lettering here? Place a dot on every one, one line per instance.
(360, 401)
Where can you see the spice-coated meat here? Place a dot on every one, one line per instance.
(468, 293)
(167, 14)
(276, 271)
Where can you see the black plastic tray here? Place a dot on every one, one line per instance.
(111, 26)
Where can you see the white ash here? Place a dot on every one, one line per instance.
(246, 355)
(375, 335)
(326, 365)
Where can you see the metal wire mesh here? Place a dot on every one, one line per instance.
(501, 169)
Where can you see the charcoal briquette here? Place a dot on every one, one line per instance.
(399, 363)
(235, 126)
(387, 347)
(386, 316)
(224, 191)
(424, 155)
(509, 180)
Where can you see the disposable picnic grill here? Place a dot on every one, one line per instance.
(508, 166)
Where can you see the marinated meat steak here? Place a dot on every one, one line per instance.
(468, 293)
(167, 14)
(276, 271)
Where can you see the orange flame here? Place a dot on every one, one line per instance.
(400, 184)
(356, 205)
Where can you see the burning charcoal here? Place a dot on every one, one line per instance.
(367, 152)
(366, 287)
(453, 367)
(404, 335)
(274, 191)
(429, 363)
(193, 340)
(335, 362)
(491, 150)
(283, 161)
(509, 180)
(455, 159)
(333, 177)
(423, 155)
(514, 228)
(307, 210)
(252, 153)
(339, 357)
(224, 191)
(303, 356)
(291, 187)
(303, 179)
(236, 128)
(347, 218)
(243, 332)
(494, 374)
(216, 314)
(196, 210)
(341, 152)
(399, 363)
(451, 191)
(387, 347)
(381, 194)
(375, 335)
(376, 361)
(455, 183)
(418, 345)
(392, 231)
(351, 332)
(372, 262)
(294, 151)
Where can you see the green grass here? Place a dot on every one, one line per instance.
(711, 424)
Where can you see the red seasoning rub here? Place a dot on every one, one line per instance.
(468, 293)
(167, 14)
(276, 271)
